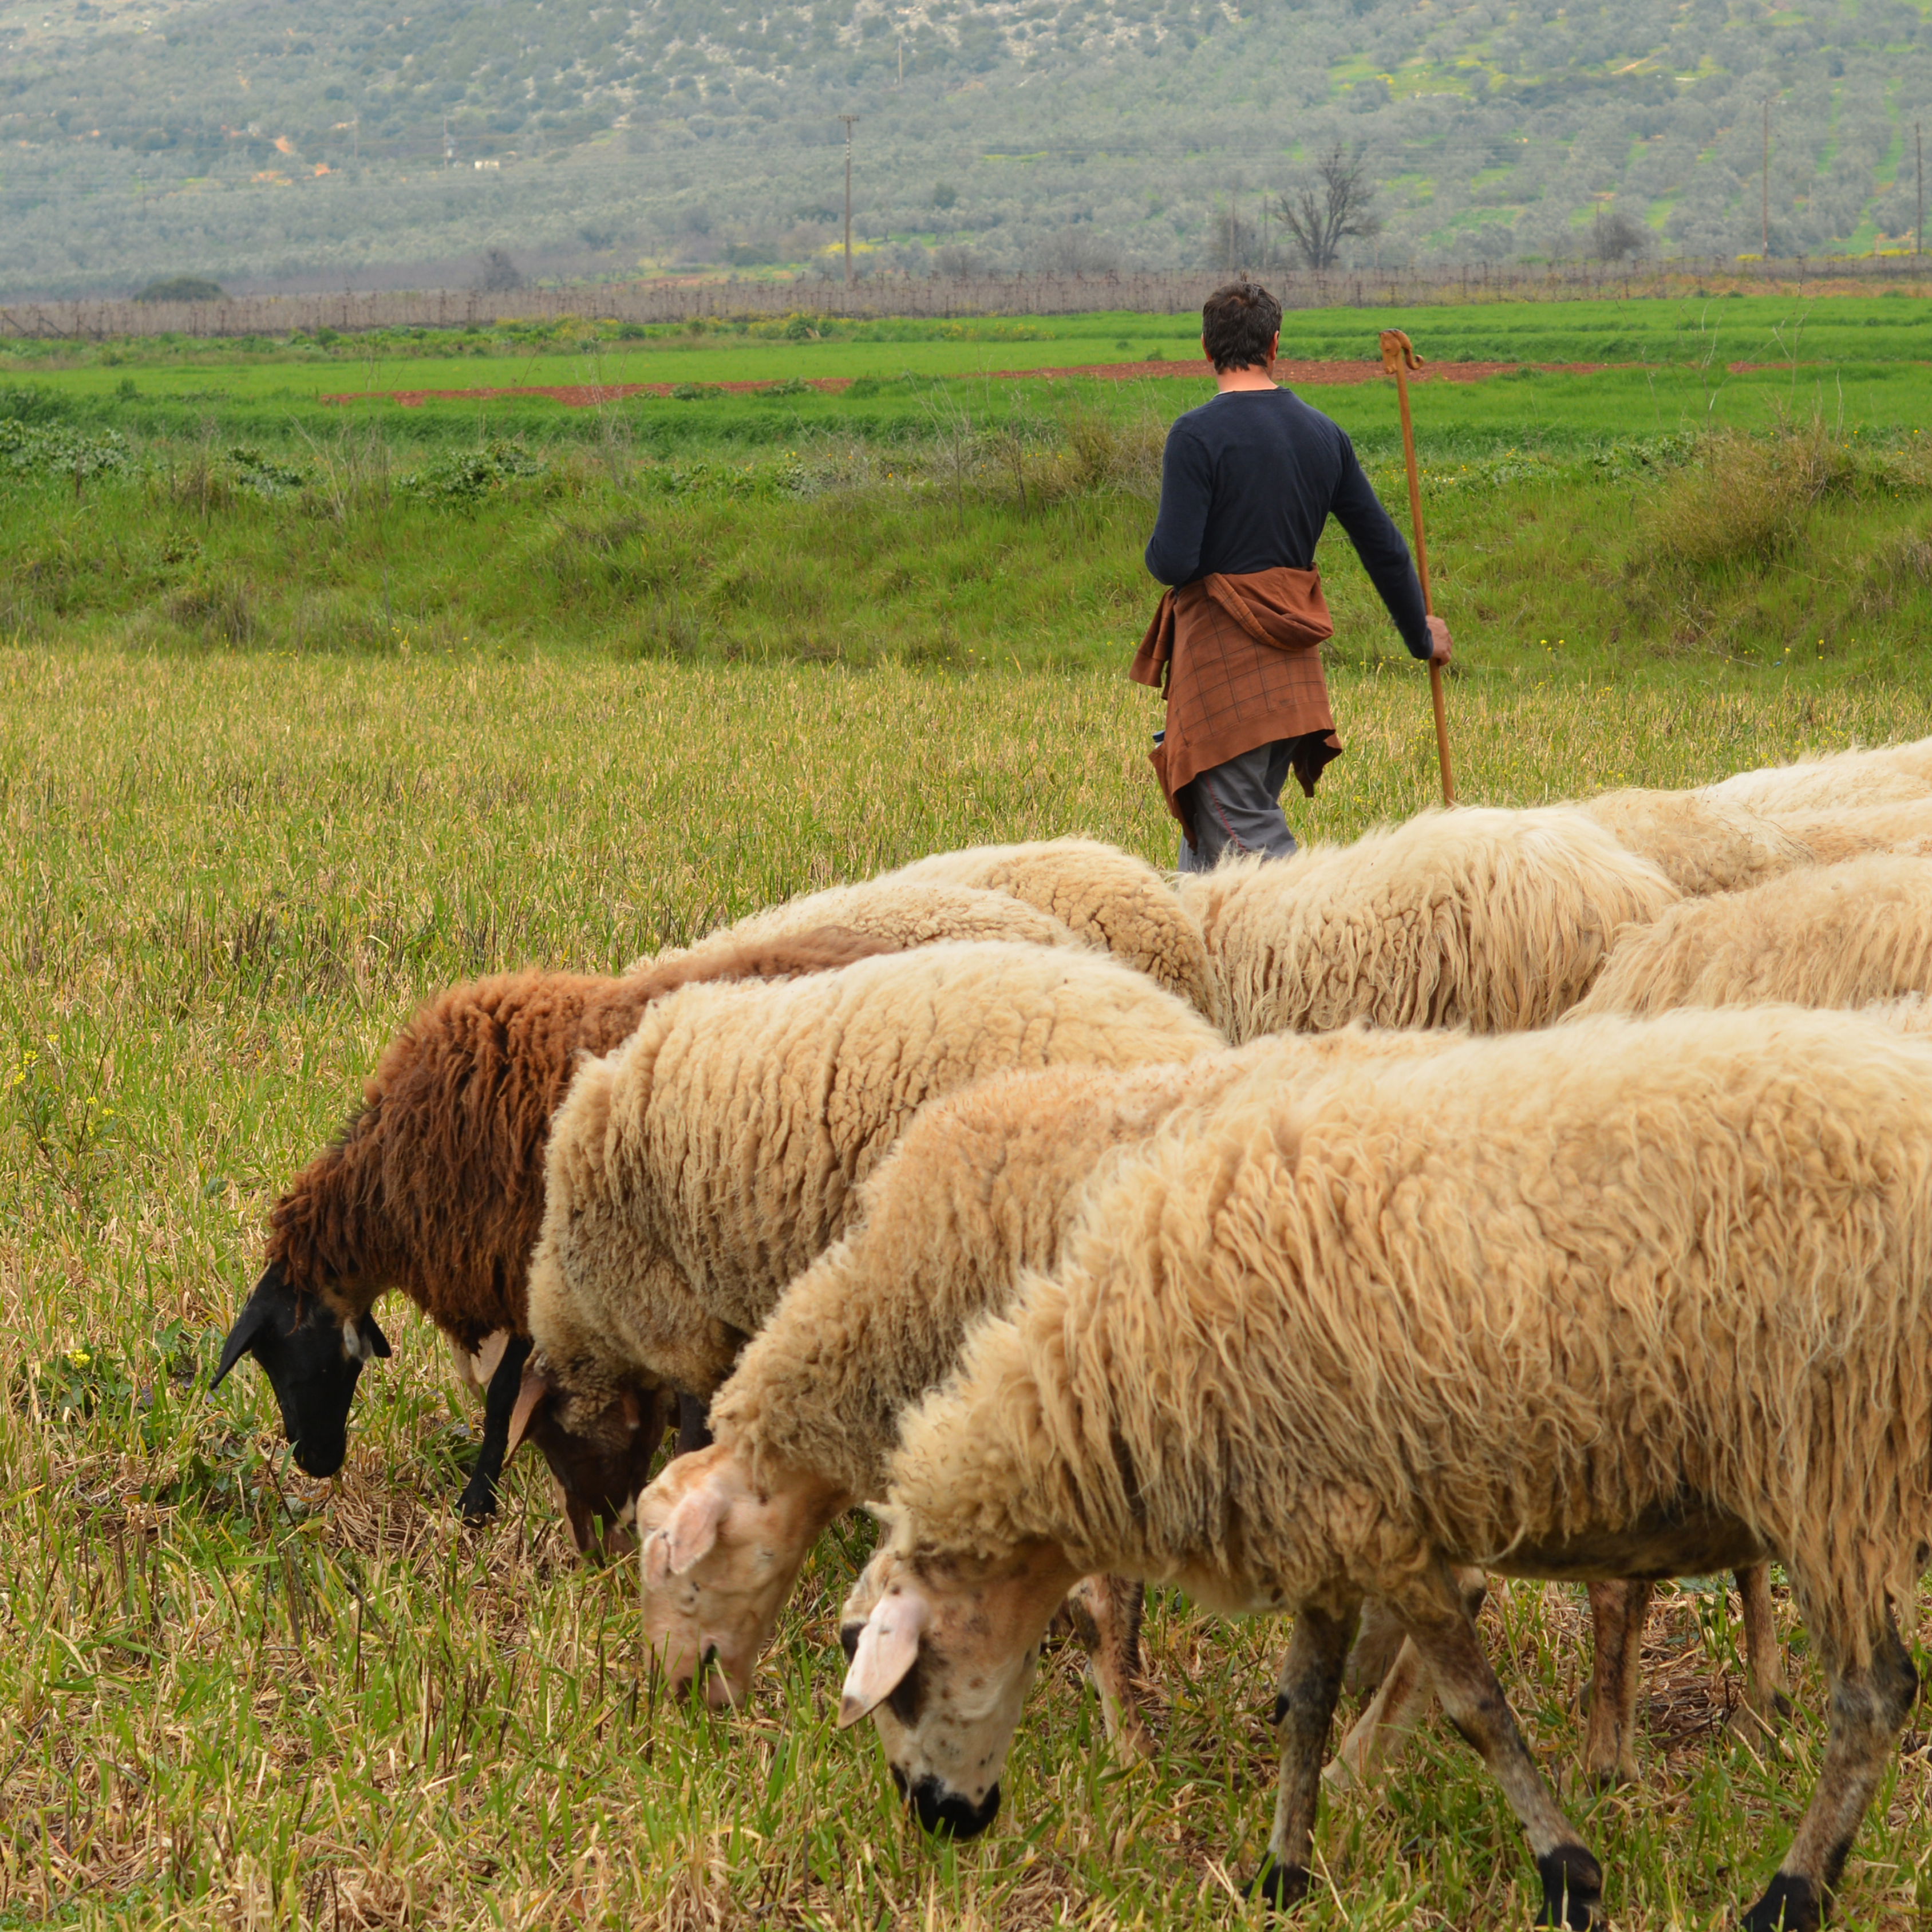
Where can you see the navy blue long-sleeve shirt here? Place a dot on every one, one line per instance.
(1247, 483)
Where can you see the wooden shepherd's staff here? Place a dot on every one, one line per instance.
(1399, 357)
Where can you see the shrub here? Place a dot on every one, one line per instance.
(183, 289)
(1746, 499)
(472, 475)
(58, 451)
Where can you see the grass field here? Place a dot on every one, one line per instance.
(1864, 361)
(289, 741)
(237, 1697)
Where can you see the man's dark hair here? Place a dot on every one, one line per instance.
(1238, 321)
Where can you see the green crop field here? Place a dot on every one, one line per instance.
(299, 726)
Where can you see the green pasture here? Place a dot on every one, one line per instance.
(1866, 362)
(231, 1696)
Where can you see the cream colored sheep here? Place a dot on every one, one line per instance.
(983, 1184)
(1893, 774)
(1832, 837)
(1494, 920)
(902, 915)
(1632, 1295)
(1110, 897)
(1827, 936)
(1699, 843)
(695, 1171)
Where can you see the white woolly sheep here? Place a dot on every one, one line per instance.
(1636, 1296)
(1827, 936)
(695, 1171)
(1892, 774)
(1701, 844)
(899, 916)
(1832, 837)
(1494, 920)
(1110, 897)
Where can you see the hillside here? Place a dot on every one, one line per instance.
(264, 143)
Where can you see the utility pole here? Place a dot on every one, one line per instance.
(848, 119)
(448, 145)
(901, 80)
(1765, 209)
(1919, 239)
(355, 141)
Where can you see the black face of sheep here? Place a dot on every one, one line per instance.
(312, 1360)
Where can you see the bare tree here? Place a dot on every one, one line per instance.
(1615, 237)
(1323, 212)
(500, 274)
(955, 262)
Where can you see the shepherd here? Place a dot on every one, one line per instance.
(1248, 480)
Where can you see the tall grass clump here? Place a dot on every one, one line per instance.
(1742, 500)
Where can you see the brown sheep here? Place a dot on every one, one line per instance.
(437, 1187)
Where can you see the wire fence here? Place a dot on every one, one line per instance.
(878, 295)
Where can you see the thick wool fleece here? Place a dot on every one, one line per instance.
(1832, 837)
(1494, 920)
(692, 1174)
(1699, 843)
(1828, 936)
(898, 916)
(1518, 1291)
(1893, 775)
(984, 1184)
(436, 1186)
(1110, 897)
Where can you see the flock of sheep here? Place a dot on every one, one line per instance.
(1546, 1193)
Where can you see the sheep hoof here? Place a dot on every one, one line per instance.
(1789, 1905)
(1278, 1886)
(477, 1503)
(1573, 1889)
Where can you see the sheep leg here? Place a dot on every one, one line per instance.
(1869, 1708)
(1106, 1613)
(694, 1423)
(1398, 1706)
(1766, 1703)
(1618, 1611)
(1304, 1707)
(1573, 1881)
(478, 1501)
(1401, 1692)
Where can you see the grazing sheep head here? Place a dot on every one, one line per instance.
(599, 1450)
(312, 1354)
(719, 1557)
(941, 1651)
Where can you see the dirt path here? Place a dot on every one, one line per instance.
(588, 395)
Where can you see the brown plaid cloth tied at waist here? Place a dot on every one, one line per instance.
(1240, 658)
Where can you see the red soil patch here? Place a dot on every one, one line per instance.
(587, 395)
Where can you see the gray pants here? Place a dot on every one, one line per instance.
(1236, 808)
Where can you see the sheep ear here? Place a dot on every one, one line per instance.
(690, 1531)
(530, 1397)
(888, 1648)
(258, 1312)
(376, 1342)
